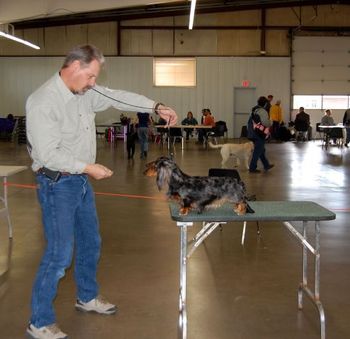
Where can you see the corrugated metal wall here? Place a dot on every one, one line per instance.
(321, 65)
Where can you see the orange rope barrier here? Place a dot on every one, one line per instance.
(133, 196)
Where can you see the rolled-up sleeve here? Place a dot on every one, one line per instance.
(103, 98)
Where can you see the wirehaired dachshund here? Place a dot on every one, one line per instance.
(194, 192)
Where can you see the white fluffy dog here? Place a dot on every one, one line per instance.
(239, 153)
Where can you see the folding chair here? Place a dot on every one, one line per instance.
(219, 131)
(223, 172)
(319, 132)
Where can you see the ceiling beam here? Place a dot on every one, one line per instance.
(163, 10)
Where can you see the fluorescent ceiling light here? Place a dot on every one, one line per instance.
(193, 7)
(7, 31)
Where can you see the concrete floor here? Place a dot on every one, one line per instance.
(234, 291)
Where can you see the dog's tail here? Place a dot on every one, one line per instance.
(214, 146)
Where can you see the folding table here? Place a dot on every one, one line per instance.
(283, 211)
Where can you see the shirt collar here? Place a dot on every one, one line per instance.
(63, 89)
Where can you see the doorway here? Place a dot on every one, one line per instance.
(244, 99)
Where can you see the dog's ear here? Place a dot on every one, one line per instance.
(163, 176)
(150, 164)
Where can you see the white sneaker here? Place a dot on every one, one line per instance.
(98, 305)
(46, 332)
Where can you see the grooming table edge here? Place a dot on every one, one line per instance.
(282, 211)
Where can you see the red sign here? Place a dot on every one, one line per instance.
(245, 83)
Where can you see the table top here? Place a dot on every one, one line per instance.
(332, 126)
(264, 211)
(6, 171)
(114, 124)
(183, 126)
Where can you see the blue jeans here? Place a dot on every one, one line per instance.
(258, 153)
(70, 222)
(143, 138)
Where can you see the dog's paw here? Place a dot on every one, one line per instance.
(184, 210)
(240, 208)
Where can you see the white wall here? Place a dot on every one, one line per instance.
(216, 79)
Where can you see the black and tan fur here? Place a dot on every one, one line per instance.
(195, 192)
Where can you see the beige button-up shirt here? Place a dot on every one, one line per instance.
(61, 125)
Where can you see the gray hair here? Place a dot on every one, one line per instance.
(85, 54)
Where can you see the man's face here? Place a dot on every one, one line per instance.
(84, 76)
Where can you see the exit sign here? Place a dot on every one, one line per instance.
(245, 83)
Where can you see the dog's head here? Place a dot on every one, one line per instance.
(162, 168)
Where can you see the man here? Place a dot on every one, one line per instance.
(260, 114)
(302, 123)
(268, 103)
(61, 134)
(327, 119)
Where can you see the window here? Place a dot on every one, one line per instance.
(178, 72)
(307, 101)
(321, 101)
(335, 101)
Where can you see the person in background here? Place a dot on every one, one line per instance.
(61, 136)
(207, 120)
(259, 141)
(327, 119)
(346, 123)
(302, 123)
(189, 120)
(276, 118)
(142, 132)
(268, 103)
(131, 137)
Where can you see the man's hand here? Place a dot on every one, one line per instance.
(98, 171)
(168, 114)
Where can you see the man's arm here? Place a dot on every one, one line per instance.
(97, 171)
(103, 98)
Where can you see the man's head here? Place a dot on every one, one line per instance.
(262, 101)
(301, 109)
(328, 112)
(270, 97)
(81, 68)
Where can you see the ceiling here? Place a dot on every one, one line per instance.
(43, 13)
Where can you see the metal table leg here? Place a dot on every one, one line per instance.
(314, 296)
(5, 209)
(182, 325)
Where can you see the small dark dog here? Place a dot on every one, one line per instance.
(194, 192)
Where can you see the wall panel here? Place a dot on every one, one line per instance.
(103, 35)
(321, 65)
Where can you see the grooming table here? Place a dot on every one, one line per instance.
(283, 211)
(6, 171)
